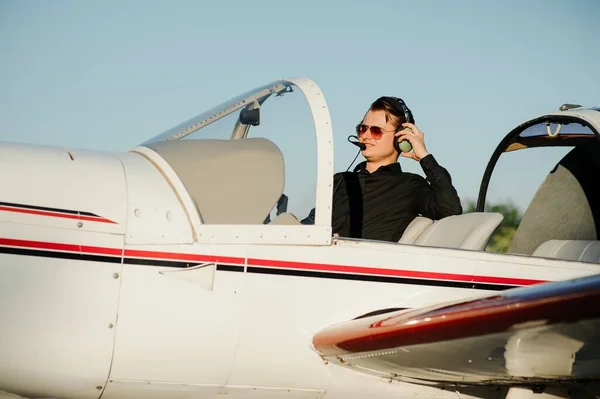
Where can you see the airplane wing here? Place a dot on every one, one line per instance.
(545, 334)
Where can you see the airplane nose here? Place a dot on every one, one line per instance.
(57, 334)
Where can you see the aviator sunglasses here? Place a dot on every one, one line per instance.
(376, 131)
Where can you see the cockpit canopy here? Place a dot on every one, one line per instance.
(566, 206)
(264, 157)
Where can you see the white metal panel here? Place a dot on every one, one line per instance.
(265, 234)
(75, 181)
(344, 384)
(118, 389)
(461, 261)
(174, 181)
(282, 313)
(154, 212)
(173, 329)
(58, 315)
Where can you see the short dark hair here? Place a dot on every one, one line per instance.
(391, 113)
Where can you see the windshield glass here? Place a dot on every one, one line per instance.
(286, 120)
(214, 114)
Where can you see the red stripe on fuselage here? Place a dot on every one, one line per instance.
(393, 272)
(92, 250)
(55, 214)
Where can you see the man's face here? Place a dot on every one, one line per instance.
(383, 148)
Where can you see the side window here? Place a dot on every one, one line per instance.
(287, 121)
(513, 184)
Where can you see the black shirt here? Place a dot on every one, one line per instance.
(380, 205)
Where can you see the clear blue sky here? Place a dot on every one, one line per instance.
(109, 75)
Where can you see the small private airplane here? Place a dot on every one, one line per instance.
(180, 270)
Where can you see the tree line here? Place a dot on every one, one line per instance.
(505, 232)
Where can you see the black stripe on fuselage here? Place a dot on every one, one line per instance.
(159, 262)
(60, 255)
(43, 208)
(230, 268)
(255, 269)
(110, 259)
(179, 264)
(379, 279)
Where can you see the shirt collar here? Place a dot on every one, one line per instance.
(393, 167)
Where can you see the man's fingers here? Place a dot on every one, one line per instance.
(413, 128)
(403, 136)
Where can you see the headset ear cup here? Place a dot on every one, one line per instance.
(403, 146)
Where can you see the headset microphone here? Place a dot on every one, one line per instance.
(357, 143)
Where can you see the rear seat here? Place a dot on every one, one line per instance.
(231, 181)
(415, 229)
(579, 250)
(467, 231)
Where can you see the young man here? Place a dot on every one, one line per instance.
(378, 200)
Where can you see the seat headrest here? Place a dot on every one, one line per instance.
(466, 231)
(579, 250)
(231, 181)
(415, 229)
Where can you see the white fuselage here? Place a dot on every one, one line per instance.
(98, 299)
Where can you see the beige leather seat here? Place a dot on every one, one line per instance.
(285, 219)
(415, 229)
(467, 231)
(230, 181)
(579, 250)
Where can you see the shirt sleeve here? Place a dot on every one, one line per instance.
(439, 198)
